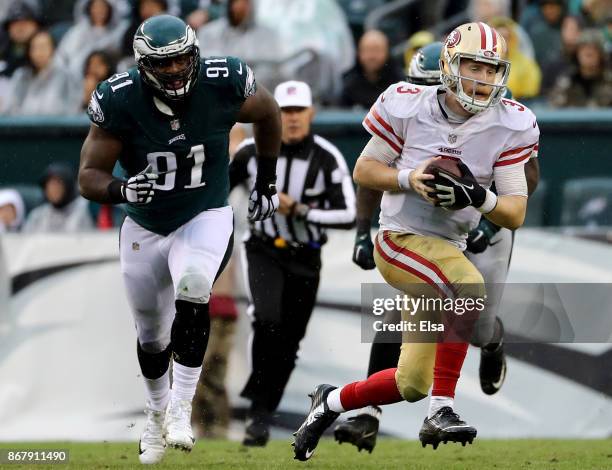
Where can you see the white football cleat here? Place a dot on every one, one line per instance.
(152, 445)
(178, 425)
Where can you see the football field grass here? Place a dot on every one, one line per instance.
(389, 454)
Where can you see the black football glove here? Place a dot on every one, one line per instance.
(479, 239)
(454, 192)
(363, 251)
(263, 200)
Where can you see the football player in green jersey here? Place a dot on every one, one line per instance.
(167, 122)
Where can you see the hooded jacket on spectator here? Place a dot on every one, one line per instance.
(69, 214)
(10, 197)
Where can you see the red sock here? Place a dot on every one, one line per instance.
(447, 368)
(377, 389)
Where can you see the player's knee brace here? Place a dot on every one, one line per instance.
(412, 385)
(153, 361)
(194, 287)
(190, 332)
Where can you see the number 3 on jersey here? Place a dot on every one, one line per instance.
(198, 155)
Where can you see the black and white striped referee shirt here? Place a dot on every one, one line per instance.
(313, 172)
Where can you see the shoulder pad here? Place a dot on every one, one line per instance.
(403, 99)
(229, 72)
(515, 116)
(110, 98)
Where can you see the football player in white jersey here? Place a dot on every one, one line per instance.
(489, 247)
(425, 220)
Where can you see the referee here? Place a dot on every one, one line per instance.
(283, 253)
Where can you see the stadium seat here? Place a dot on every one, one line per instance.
(587, 202)
(535, 206)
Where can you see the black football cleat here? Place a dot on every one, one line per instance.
(360, 430)
(446, 426)
(492, 369)
(319, 418)
(257, 432)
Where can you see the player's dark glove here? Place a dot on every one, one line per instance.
(479, 239)
(363, 251)
(457, 192)
(263, 200)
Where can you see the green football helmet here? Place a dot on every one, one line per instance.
(424, 66)
(160, 42)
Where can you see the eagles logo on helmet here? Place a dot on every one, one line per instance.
(158, 43)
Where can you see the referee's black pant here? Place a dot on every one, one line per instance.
(283, 284)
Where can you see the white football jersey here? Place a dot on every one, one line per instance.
(409, 118)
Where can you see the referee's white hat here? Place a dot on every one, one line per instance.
(293, 93)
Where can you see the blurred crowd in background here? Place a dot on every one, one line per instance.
(54, 52)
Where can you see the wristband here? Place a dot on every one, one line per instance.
(363, 226)
(266, 169)
(403, 178)
(489, 203)
(115, 193)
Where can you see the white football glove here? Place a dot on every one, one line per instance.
(139, 189)
(263, 202)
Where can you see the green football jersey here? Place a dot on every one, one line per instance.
(189, 150)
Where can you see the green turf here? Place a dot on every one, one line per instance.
(389, 454)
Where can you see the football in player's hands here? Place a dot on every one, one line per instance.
(444, 165)
(455, 185)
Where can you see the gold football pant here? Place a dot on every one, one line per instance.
(423, 266)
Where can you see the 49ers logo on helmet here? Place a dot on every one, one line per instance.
(453, 38)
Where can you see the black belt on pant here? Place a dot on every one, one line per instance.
(283, 244)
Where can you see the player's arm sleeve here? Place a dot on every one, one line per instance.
(242, 79)
(378, 149)
(522, 146)
(340, 196)
(508, 170)
(104, 109)
(238, 169)
(381, 121)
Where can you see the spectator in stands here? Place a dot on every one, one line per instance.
(64, 211)
(525, 75)
(607, 31)
(374, 71)
(21, 24)
(544, 29)
(415, 42)
(592, 12)
(238, 34)
(571, 28)
(12, 210)
(143, 10)
(320, 25)
(99, 28)
(42, 87)
(98, 67)
(195, 13)
(486, 10)
(590, 83)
